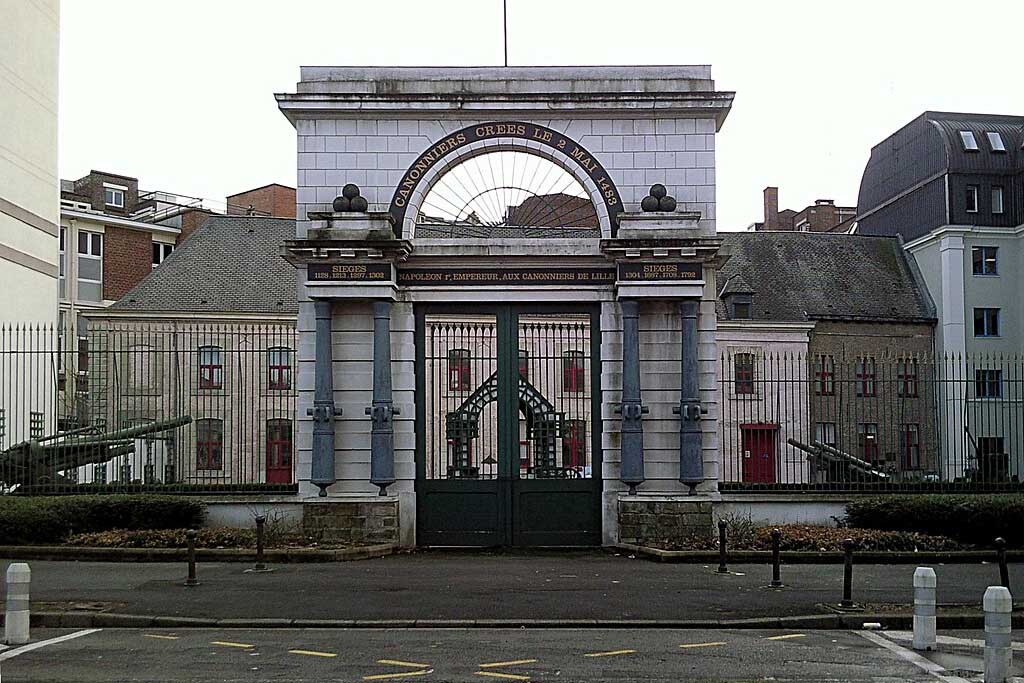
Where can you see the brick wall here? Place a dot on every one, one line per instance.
(91, 186)
(351, 521)
(191, 221)
(274, 200)
(644, 521)
(127, 258)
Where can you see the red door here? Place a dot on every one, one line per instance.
(279, 451)
(759, 453)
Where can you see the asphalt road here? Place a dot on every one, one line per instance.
(438, 585)
(479, 656)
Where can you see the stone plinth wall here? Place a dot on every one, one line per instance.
(642, 522)
(351, 521)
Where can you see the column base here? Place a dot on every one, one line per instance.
(359, 519)
(661, 520)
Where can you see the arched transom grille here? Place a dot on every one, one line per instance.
(507, 194)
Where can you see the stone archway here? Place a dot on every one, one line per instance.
(484, 138)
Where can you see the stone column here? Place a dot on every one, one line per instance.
(632, 409)
(691, 459)
(382, 431)
(323, 410)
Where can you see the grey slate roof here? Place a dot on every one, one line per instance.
(799, 276)
(230, 264)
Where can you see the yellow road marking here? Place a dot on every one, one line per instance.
(227, 643)
(787, 637)
(399, 662)
(688, 646)
(313, 653)
(158, 636)
(495, 674)
(516, 662)
(403, 674)
(611, 653)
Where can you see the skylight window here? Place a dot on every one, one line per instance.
(995, 141)
(970, 144)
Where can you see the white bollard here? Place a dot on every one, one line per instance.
(16, 618)
(998, 604)
(924, 608)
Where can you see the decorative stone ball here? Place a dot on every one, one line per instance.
(649, 203)
(359, 204)
(350, 191)
(658, 190)
(341, 204)
(667, 203)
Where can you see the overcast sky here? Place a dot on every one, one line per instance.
(180, 94)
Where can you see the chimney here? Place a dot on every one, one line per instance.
(771, 208)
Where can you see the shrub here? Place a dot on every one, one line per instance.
(973, 519)
(51, 519)
(808, 537)
(217, 537)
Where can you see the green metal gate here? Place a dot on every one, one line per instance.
(508, 426)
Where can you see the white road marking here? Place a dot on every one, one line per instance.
(912, 657)
(14, 652)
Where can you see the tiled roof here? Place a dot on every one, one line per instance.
(798, 276)
(231, 264)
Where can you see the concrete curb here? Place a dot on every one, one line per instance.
(806, 557)
(813, 621)
(275, 556)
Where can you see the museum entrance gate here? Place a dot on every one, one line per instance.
(508, 426)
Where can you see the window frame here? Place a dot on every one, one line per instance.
(907, 378)
(574, 371)
(991, 135)
(997, 191)
(869, 451)
(274, 445)
(744, 374)
(866, 376)
(574, 444)
(279, 373)
(824, 375)
(910, 448)
(93, 252)
(990, 383)
(821, 429)
(460, 369)
(114, 192)
(161, 250)
(209, 452)
(981, 251)
(523, 363)
(969, 141)
(211, 375)
(986, 327)
(972, 192)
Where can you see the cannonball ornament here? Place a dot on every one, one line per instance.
(350, 191)
(649, 203)
(667, 204)
(658, 190)
(341, 204)
(359, 204)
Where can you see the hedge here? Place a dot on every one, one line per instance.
(971, 519)
(52, 519)
(218, 537)
(813, 538)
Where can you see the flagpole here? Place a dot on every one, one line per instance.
(504, 17)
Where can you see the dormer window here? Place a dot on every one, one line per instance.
(970, 144)
(739, 306)
(741, 310)
(995, 141)
(113, 195)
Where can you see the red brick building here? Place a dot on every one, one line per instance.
(822, 216)
(273, 200)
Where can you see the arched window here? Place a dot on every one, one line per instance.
(743, 373)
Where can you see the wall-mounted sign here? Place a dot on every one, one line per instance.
(348, 272)
(661, 270)
(505, 129)
(514, 277)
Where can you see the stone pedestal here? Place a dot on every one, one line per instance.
(364, 519)
(646, 520)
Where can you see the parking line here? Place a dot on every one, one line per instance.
(403, 674)
(158, 636)
(497, 674)
(610, 653)
(788, 636)
(516, 662)
(313, 653)
(227, 643)
(690, 646)
(399, 662)
(14, 652)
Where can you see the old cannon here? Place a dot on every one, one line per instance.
(40, 461)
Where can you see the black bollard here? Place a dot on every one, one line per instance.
(776, 570)
(260, 521)
(722, 569)
(191, 580)
(1004, 571)
(847, 574)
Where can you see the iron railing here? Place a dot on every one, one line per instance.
(821, 422)
(156, 406)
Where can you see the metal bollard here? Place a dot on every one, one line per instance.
(191, 580)
(776, 569)
(924, 608)
(998, 604)
(260, 521)
(16, 624)
(722, 569)
(847, 600)
(1004, 572)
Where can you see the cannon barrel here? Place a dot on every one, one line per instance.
(133, 432)
(819, 449)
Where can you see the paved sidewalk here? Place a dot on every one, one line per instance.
(591, 585)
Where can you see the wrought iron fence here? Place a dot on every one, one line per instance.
(160, 406)
(821, 422)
